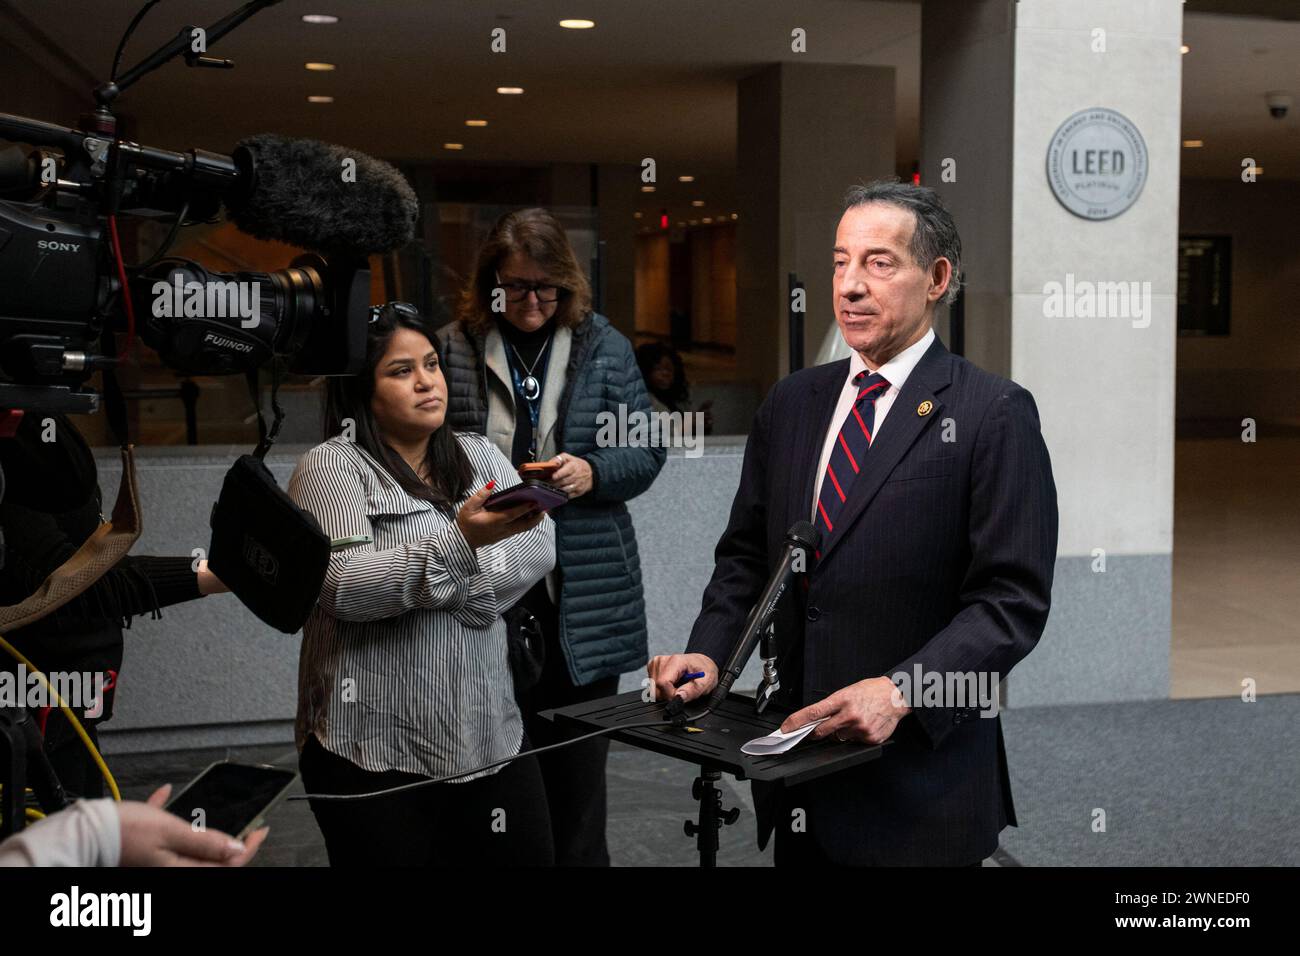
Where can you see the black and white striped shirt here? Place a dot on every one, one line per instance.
(404, 661)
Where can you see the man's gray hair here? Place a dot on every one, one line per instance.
(935, 234)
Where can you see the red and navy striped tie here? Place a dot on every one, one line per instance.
(850, 451)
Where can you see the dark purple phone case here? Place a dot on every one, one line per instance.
(531, 489)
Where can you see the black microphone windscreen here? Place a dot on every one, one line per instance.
(322, 197)
(804, 533)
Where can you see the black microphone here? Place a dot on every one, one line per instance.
(321, 197)
(800, 541)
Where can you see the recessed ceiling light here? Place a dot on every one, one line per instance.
(319, 18)
(319, 67)
(707, 219)
(510, 90)
(320, 99)
(475, 122)
(693, 221)
(1184, 49)
(686, 179)
(636, 215)
(453, 145)
(577, 24)
(1193, 143)
(647, 189)
(697, 202)
(735, 215)
(680, 223)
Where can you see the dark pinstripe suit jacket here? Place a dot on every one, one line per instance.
(942, 556)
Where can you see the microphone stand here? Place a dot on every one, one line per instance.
(771, 682)
(716, 747)
(758, 629)
(761, 634)
(712, 816)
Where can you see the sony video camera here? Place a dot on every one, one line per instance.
(65, 289)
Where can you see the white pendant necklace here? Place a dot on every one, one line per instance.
(532, 388)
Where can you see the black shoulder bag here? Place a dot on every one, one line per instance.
(526, 646)
(272, 554)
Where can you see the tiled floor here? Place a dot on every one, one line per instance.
(1236, 577)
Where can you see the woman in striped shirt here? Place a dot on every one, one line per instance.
(403, 673)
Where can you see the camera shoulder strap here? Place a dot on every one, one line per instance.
(266, 438)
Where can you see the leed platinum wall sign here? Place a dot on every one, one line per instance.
(1097, 163)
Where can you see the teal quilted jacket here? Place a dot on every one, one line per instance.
(602, 607)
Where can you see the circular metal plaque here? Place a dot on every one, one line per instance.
(1097, 163)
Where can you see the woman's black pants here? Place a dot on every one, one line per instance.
(498, 820)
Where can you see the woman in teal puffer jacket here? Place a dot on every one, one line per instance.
(532, 367)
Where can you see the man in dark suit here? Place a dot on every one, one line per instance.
(930, 484)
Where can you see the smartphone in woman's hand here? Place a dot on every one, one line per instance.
(543, 496)
(541, 470)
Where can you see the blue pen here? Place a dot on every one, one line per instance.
(687, 678)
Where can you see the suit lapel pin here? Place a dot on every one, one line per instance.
(925, 408)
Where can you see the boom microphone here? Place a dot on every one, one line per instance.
(321, 197)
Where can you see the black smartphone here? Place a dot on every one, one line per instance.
(232, 797)
(545, 496)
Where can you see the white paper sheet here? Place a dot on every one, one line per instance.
(777, 743)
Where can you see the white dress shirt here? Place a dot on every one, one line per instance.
(895, 372)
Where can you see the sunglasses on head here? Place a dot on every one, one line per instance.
(389, 308)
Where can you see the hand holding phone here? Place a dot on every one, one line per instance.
(153, 836)
(482, 525)
(574, 476)
(541, 470)
(542, 496)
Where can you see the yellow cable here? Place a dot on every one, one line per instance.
(72, 718)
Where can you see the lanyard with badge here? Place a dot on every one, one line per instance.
(529, 388)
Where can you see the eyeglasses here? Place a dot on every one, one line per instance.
(517, 291)
(402, 308)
